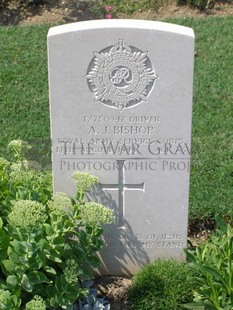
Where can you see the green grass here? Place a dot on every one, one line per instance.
(212, 143)
(24, 104)
(23, 84)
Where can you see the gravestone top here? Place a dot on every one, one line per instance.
(121, 107)
(121, 23)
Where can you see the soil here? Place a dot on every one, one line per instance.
(114, 289)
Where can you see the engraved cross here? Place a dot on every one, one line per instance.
(122, 187)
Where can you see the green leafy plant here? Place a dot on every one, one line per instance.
(161, 285)
(49, 259)
(21, 180)
(50, 249)
(8, 301)
(111, 8)
(213, 263)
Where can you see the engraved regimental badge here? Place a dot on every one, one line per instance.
(120, 76)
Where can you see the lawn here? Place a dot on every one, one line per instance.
(24, 103)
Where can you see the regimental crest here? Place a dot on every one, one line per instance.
(121, 76)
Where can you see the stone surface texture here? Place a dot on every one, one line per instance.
(121, 107)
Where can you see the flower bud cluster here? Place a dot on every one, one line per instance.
(93, 212)
(109, 9)
(27, 214)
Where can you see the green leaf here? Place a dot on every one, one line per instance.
(58, 284)
(4, 243)
(216, 274)
(20, 269)
(194, 306)
(54, 258)
(94, 261)
(26, 284)
(52, 302)
(3, 256)
(60, 241)
(87, 273)
(37, 277)
(50, 270)
(20, 247)
(8, 267)
(14, 257)
(12, 281)
(3, 285)
(15, 300)
(48, 229)
(22, 233)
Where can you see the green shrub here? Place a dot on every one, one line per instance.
(48, 251)
(20, 180)
(213, 262)
(48, 247)
(161, 285)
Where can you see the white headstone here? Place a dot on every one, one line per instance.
(121, 106)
